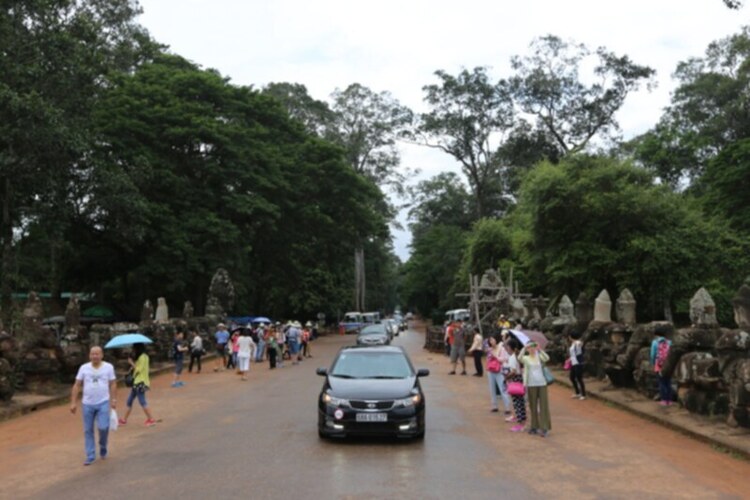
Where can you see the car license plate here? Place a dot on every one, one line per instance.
(372, 417)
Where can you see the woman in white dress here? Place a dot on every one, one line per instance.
(246, 348)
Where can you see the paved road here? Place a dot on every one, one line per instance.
(220, 437)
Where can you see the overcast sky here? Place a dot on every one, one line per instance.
(397, 45)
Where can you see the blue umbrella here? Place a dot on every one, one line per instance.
(127, 340)
(261, 319)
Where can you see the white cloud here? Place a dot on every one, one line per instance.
(397, 45)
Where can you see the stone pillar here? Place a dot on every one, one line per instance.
(162, 311)
(703, 310)
(625, 308)
(603, 308)
(584, 310)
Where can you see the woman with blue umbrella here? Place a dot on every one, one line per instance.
(140, 365)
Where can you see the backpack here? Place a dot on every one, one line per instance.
(662, 352)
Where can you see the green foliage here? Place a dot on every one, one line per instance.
(597, 223)
(429, 273)
(467, 112)
(709, 111)
(488, 244)
(726, 186)
(547, 86)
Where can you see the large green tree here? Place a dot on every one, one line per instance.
(55, 61)
(598, 223)
(468, 117)
(547, 85)
(710, 110)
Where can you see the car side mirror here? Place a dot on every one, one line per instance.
(423, 372)
(322, 371)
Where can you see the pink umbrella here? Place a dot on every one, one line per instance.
(526, 336)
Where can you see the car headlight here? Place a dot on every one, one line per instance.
(330, 400)
(410, 401)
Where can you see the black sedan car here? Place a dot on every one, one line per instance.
(371, 391)
(376, 334)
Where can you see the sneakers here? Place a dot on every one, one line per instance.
(121, 421)
(494, 410)
(575, 396)
(150, 422)
(543, 434)
(517, 428)
(533, 431)
(88, 461)
(510, 419)
(582, 398)
(463, 372)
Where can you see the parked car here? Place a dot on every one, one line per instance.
(376, 334)
(371, 391)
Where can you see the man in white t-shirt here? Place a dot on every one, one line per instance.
(99, 392)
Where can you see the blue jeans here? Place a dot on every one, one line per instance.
(665, 388)
(99, 414)
(135, 393)
(497, 381)
(259, 351)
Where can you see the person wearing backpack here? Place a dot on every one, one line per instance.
(660, 347)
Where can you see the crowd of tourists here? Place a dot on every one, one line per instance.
(236, 348)
(518, 375)
(517, 372)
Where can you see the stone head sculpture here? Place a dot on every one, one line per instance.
(741, 304)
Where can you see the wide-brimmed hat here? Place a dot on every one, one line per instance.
(296, 324)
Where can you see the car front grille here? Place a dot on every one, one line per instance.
(371, 405)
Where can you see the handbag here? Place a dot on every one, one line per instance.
(548, 375)
(493, 364)
(516, 389)
(129, 379)
(568, 364)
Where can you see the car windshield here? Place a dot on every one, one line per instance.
(361, 364)
(373, 330)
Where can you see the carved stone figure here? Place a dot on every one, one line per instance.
(222, 289)
(162, 310)
(147, 312)
(603, 308)
(519, 310)
(584, 310)
(741, 303)
(703, 309)
(625, 308)
(187, 310)
(72, 317)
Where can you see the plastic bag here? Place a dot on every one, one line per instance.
(113, 420)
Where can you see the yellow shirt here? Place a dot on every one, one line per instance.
(142, 370)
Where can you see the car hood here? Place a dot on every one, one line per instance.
(370, 388)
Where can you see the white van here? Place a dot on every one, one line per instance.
(457, 315)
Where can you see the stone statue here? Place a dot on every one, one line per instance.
(584, 311)
(222, 289)
(214, 312)
(741, 303)
(519, 310)
(703, 309)
(72, 317)
(187, 310)
(40, 357)
(162, 310)
(625, 308)
(147, 313)
(603, 308)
